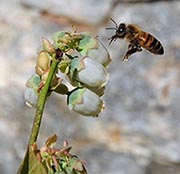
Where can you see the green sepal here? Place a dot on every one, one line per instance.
(87, 43)
(76, 65)
(66, 40)
(34, 82)
(56, 38)
(75, 97)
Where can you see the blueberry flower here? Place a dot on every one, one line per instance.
(85, 102)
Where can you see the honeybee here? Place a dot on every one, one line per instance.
(137, 39)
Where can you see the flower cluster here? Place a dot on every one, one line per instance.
(83, 61)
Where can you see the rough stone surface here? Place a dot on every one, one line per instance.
(90, 11)
(139, 130)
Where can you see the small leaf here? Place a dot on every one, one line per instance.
(51, 141)
(31, 165)
(35, 166)
(87, 43)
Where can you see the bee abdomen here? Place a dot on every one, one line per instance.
(153, 45)
(150, 43)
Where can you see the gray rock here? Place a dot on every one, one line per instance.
(156, 167)
(106, 162)
(90, 12)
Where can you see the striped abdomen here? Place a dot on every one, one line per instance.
(150, 43)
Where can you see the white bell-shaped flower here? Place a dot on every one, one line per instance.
(85, 102)
(89, 72)
(100, 54)
(30, 97)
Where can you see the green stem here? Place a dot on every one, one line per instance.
(38, 117)
(41, 103)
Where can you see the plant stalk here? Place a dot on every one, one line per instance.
(38, 116)
(41, 103)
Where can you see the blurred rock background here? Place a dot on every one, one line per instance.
(139, 130)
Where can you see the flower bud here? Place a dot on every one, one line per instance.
(89, 72)
(43, 62)
(100, 54)
(47, 45)
(85, 102)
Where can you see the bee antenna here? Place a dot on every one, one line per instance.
(111, 28)
(114, 22)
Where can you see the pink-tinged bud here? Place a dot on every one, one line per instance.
(85, 102)
(47, 45)
(43, 62)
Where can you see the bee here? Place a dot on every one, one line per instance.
(136, 38)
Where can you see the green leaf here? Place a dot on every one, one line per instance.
(31, 165)
(35, 166)
(86, 43)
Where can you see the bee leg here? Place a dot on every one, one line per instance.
(112, 38)
(139, 49)
(132, 48)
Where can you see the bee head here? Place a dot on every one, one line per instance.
(120, 31)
